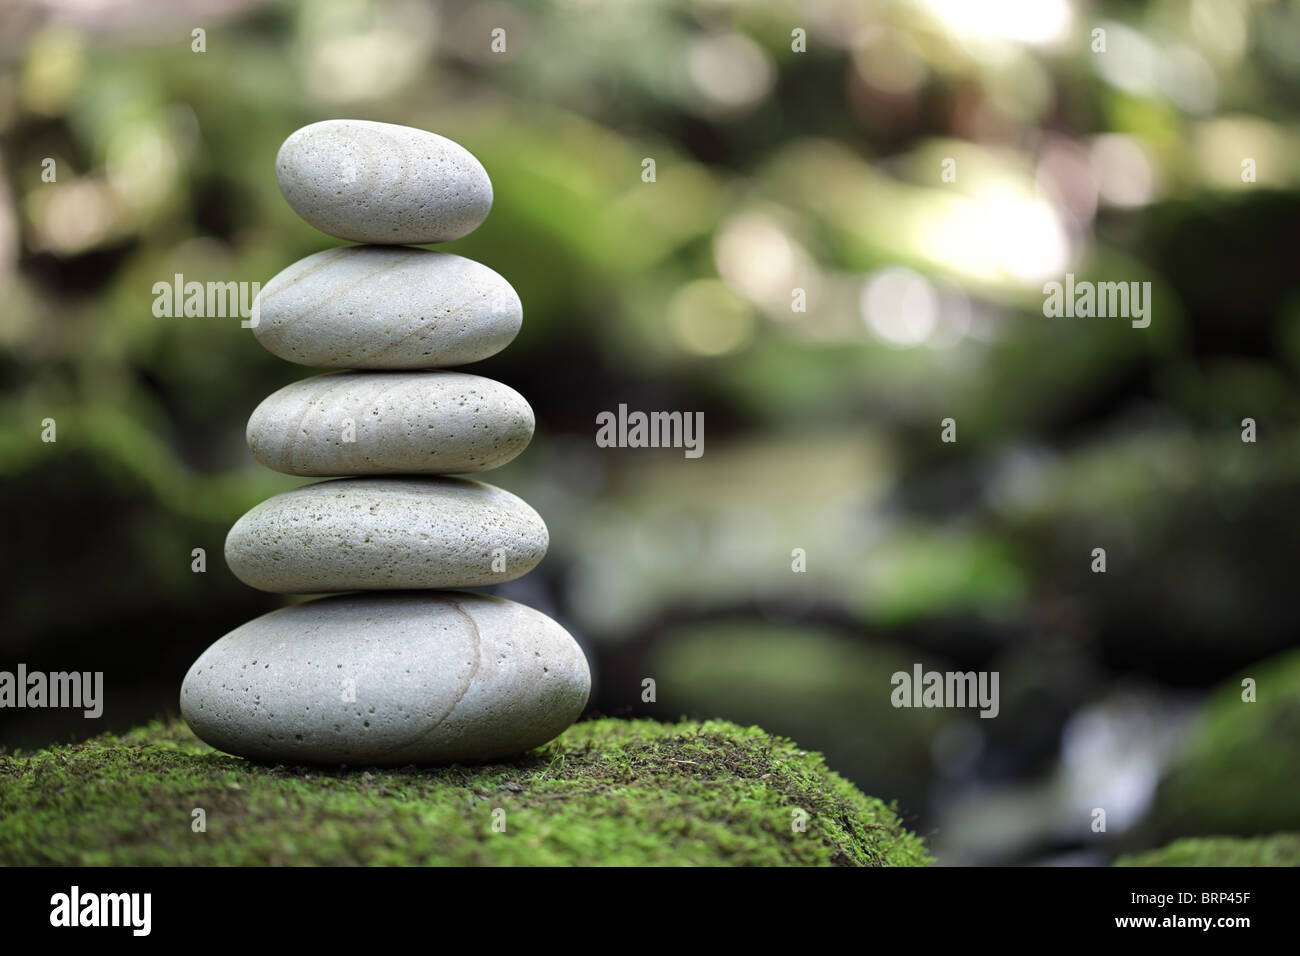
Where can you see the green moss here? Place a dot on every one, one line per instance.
(1240, 772)
(1282, 849)
(808, 683)
(605, 792)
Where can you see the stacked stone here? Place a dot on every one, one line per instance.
(393, 673)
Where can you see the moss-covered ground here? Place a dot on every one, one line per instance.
(1281, 849)
(605, 792)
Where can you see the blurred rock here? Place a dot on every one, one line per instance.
(1239, 773)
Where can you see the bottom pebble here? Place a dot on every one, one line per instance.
(388, 679)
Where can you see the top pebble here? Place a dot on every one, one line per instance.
(381, 183)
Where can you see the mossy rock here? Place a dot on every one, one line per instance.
(1240, 773)
(1281, 849)
(829, 690)
(605, 792)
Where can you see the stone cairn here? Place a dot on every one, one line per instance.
(395, 672)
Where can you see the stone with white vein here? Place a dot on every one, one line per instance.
(386, 534)
(389, 423)
(379, 182)
(388, 679)
(376, 307)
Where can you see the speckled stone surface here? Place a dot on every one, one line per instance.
(377, 182)
(376, 307)
(386, 534)
(388, 423)
(388, 679)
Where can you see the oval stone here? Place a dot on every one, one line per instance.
(378, 182)
(388, 679)
(390, 423)
(374, 307)
(386, 534)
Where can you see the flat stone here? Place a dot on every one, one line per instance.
(377, 307)
(390, 423)
(377, 182)
(388, 679)
(386, 534)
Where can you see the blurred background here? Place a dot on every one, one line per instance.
(776, 170)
